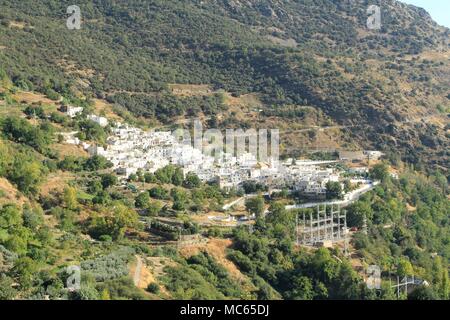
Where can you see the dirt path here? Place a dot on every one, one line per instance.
(217, 249)
(137, 272)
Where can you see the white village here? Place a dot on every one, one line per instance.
(131, 150)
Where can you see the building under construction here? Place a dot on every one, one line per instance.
(325, 225)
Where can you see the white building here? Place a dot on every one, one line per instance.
(71, 111)
(131, 149)
(373, 155)
(99, 120)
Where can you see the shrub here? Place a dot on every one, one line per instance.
(111, 266)
(153, 288)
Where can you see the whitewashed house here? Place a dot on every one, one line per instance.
(71, 111)
(102, 121)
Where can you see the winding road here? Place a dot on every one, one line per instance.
(349, 198)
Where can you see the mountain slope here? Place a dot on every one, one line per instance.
(388, 87)
(310, 68)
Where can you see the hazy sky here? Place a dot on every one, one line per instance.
(439, 9)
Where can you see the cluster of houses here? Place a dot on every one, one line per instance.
(72, 112)
(311, 177)
(131, 149)
(359, 156)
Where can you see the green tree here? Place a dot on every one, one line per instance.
(96, 163)
(192, 181)
(7, 291)
(347, 185)
(423, 293)
(379, 172)
(108, 180)
(165, 175)
(87, 292)
(154, 208)
(357, 212)
(149, 178)
(27, 174)
(5, 81)
(334, 190)
(105, 295)
(303, 289)
(124, 218)
(25, 270)
(92, 131)
(404, 268)
(255, 206)
(10, 217)
(35, 111)
(33, 218)
(159, 193)
(153, 288)
(180, 199)
(116, 223)
(95, 186)
(70, 198)
(178, 177)
(142, 200)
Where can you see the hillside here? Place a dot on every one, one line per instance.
(388, 87)
(310, 68)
